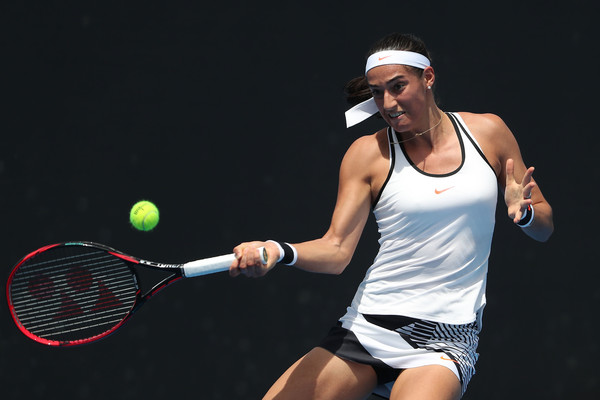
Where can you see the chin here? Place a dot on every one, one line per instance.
(399, 125)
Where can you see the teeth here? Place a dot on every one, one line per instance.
(397, 114)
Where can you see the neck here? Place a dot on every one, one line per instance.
(434, 120)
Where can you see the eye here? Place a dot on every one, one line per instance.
(376, 92)
(398, 87)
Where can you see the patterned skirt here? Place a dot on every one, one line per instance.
(391, 344)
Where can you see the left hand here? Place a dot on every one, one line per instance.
(517, 196)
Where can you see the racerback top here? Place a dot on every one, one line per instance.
(436, 232)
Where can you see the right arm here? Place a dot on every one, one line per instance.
(331, 253)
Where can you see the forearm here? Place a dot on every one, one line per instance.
(325, 255)
(542, 225)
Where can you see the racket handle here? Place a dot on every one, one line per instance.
(214, 264)
(208, 265)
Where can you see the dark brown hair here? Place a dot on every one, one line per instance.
(357, 90)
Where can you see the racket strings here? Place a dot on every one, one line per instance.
(46, 289)
(67, 294)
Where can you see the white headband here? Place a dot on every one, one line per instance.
(401, 57)
(364, 110)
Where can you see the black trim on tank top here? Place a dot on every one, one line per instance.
(392, 164)
(462, 156)
(457, 124)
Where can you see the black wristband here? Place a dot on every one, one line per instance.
(289, 254)
(527, 218)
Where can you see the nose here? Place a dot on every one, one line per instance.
(389, 101)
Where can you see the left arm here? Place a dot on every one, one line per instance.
(516, 180)
(518, 196)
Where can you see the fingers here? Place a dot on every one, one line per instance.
(527, 184)
(525, 201)
(521, 211)
(528, 189)
(518, 195)
(510, 175)
(528, 177)
(249, 260)
(510, 171)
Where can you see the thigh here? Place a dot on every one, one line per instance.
(430, 382)
(320, 375)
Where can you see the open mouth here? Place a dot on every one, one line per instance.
(396, 114)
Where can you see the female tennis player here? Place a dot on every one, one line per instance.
(431, 178)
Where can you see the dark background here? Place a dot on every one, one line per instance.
(229, 116)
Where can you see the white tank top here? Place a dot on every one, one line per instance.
(436, 233)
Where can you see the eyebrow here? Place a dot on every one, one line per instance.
(395, 78)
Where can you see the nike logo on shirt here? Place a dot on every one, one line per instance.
(442, 190)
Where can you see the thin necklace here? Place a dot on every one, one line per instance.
(420, 133)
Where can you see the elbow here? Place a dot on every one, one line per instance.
(549, 227)
(543, 233)
(543, 229)
(339, 258)
(545, 236)
(343, 262)
(338, 269)
(339, 266)
(333, 267)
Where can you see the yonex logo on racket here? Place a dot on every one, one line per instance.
(70, 294)
(73, 294)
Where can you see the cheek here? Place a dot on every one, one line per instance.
(414, 103)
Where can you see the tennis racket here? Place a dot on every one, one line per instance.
(75, 293)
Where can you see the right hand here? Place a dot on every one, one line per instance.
(248, 261)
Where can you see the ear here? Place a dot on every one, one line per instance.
(428, 76)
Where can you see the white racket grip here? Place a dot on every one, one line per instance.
(214, 264)
(208, 265)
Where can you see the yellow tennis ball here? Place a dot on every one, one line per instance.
(144, 215)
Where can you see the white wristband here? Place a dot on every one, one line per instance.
(281, 252)
(287, 253)
(295, 255)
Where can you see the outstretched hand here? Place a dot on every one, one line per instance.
(517, 196)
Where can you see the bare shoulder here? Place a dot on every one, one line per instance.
(369, 147)
(494, 136)
(366, 153)
(488, 127)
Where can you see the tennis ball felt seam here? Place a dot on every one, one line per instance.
(149, 214)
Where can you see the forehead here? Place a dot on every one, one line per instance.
(385, 73)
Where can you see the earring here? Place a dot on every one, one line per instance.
(429, 87)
